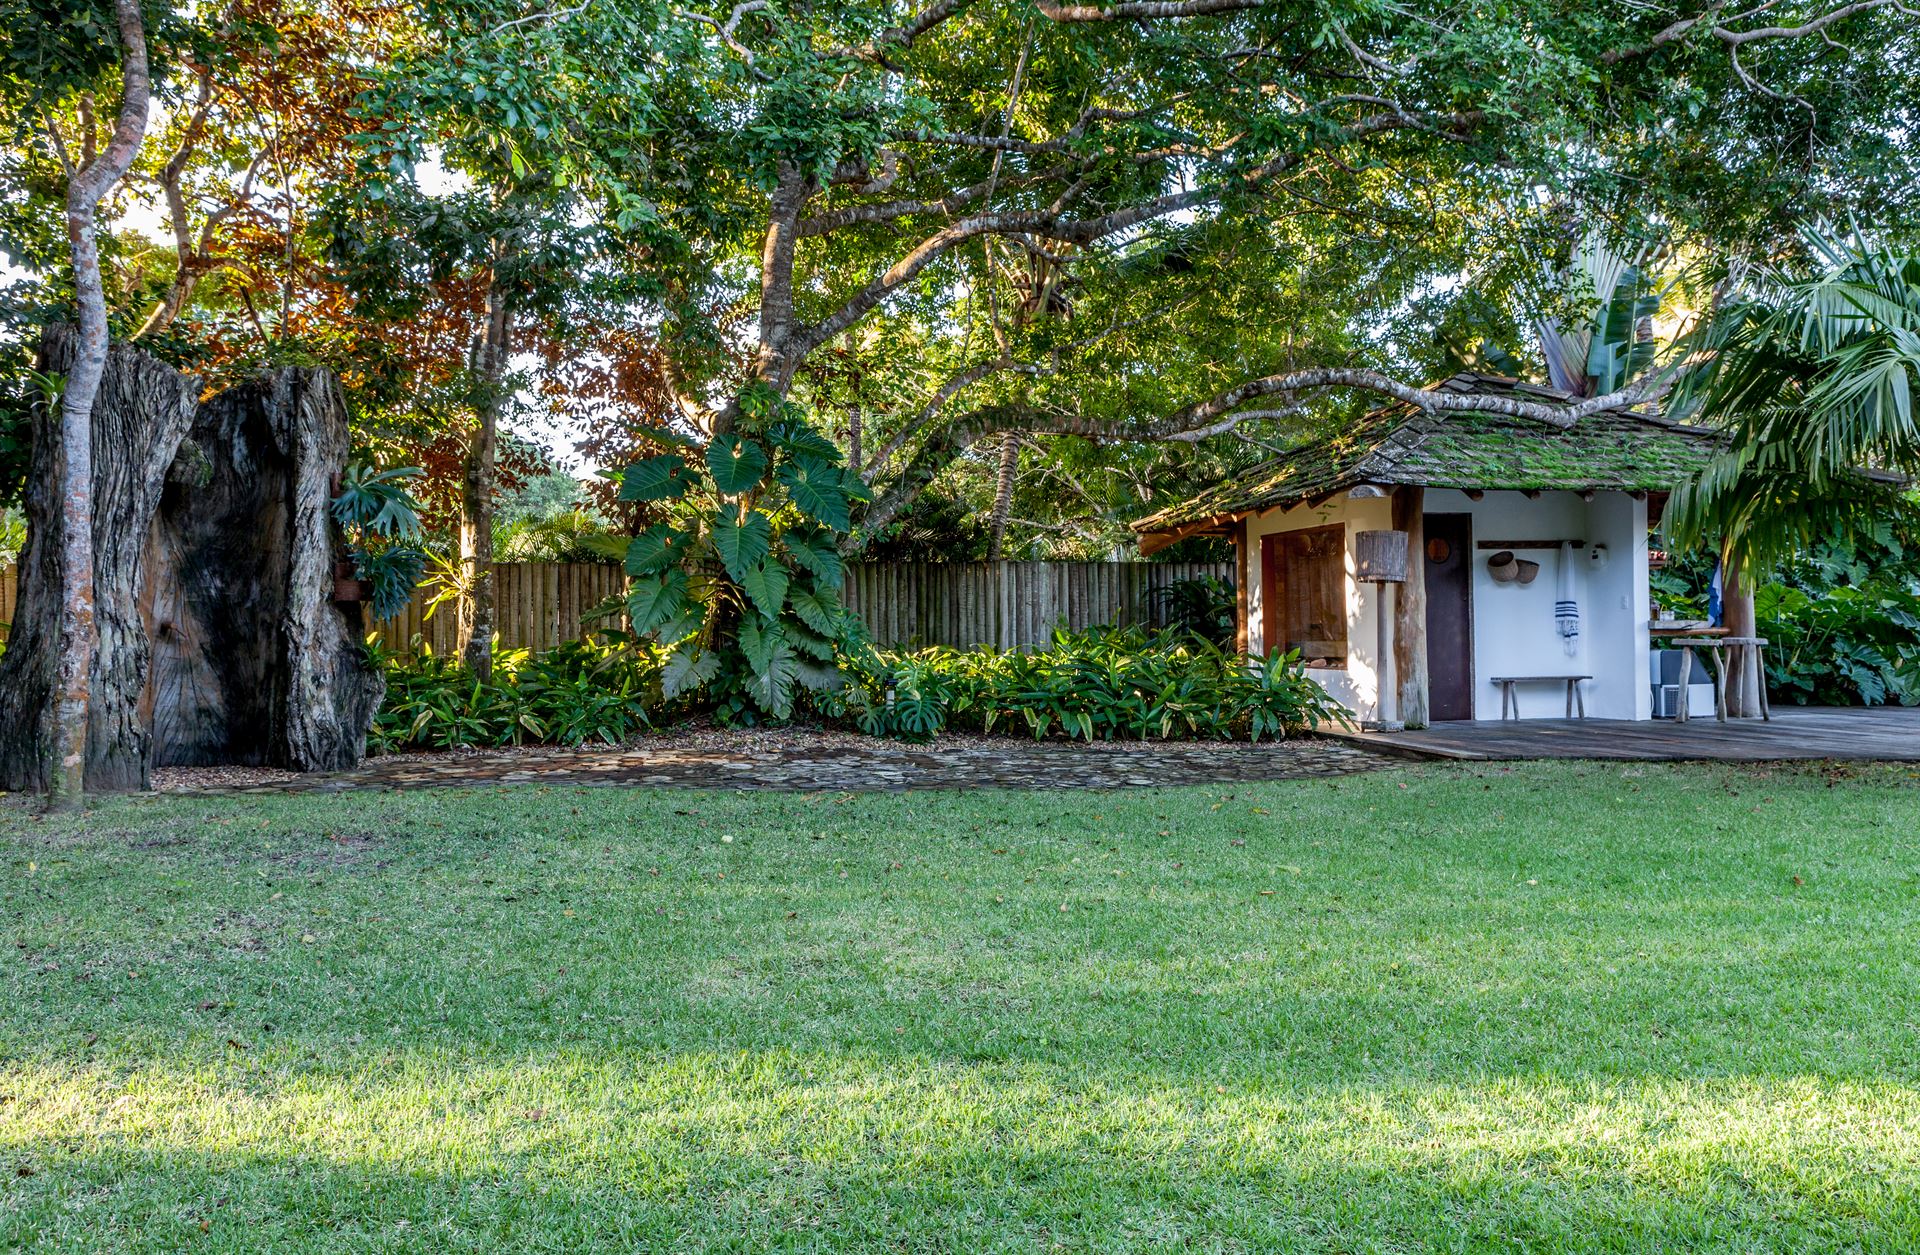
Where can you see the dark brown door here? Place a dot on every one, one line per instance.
(1449, 564)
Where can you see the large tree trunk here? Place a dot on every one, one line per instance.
(142, 411)
(254, 662)
(63, 775)
(475, 635)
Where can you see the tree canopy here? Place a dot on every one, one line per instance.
(1148, 239)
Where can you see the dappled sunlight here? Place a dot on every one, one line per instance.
(679, 1125)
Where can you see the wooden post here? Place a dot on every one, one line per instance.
(1410, 608)
(1240, 581)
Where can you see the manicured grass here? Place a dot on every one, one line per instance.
(1558, 1007)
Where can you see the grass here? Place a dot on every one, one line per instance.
(1561, 1007)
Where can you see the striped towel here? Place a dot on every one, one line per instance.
(1566, 607)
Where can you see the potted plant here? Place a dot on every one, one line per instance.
(381, 522)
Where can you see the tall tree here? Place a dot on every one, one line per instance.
(1025, 216)
(92, 169)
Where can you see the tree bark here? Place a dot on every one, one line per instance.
(1410, 609)
(142, 411)
(1743, 680)
(476, 608)
(1003, 495)
(254, 662)
(65, 778)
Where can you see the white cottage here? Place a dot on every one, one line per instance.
(1503, 516)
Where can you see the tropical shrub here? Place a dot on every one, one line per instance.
(381, 520)
(1203, 606)
(1098, 684)
(740, 582)
(606, 689)
(1842, 621)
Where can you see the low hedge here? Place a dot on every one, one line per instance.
(1098, 684)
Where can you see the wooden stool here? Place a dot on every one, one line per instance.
(1716, 646)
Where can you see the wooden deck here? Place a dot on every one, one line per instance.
(1861, 733)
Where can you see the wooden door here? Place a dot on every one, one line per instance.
(1449, 571)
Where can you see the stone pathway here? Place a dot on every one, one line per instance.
(800, 761)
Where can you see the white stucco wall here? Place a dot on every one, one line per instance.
(1513, 624)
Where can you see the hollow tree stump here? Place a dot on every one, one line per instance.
(254, 662)
(142, 412)
(219, 641)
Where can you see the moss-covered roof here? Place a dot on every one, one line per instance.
(1401, 444)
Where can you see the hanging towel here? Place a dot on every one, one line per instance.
(1715, 589)
(1566, 607)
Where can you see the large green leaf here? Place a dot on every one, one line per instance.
(742, 545)
(819, 676)
(662, 478)
(737, 465)
(659, 547)
(774, 672)
(815, 487)
(767, 584)
(817, 552)
(808, 641)
(818, 608)
(687, 669)
(796, 439)
(656, 600)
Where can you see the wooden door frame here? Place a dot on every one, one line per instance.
(1473, 654)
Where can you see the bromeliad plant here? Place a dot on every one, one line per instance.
(740, 582)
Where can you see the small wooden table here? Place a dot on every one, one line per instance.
(1717, 646)
(1510, 697)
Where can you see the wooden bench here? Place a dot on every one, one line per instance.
(1510, 696)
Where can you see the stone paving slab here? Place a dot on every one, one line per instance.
(799, 762)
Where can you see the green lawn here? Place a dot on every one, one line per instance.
(1557, 1007)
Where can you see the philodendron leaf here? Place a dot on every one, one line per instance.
(807, 641)
(819, 676)
(815, 487)
(767, 584)
(737, 465)
(773, 670)
(661, 546)
(655, 600)
(795, 439)
(662, 478)
(819, 609)
(758, 639)
(742, 545)
(816, 552)
(688, 668)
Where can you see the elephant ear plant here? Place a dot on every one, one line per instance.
(381, 521)
(740, 581)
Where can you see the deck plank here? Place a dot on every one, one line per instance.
(1874, 733)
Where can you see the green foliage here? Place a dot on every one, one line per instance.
(1842, 622)
(1204, 607)
(381, 521)
(1813, 372)
(740, 582)
(1099, 684)
(606, 690)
